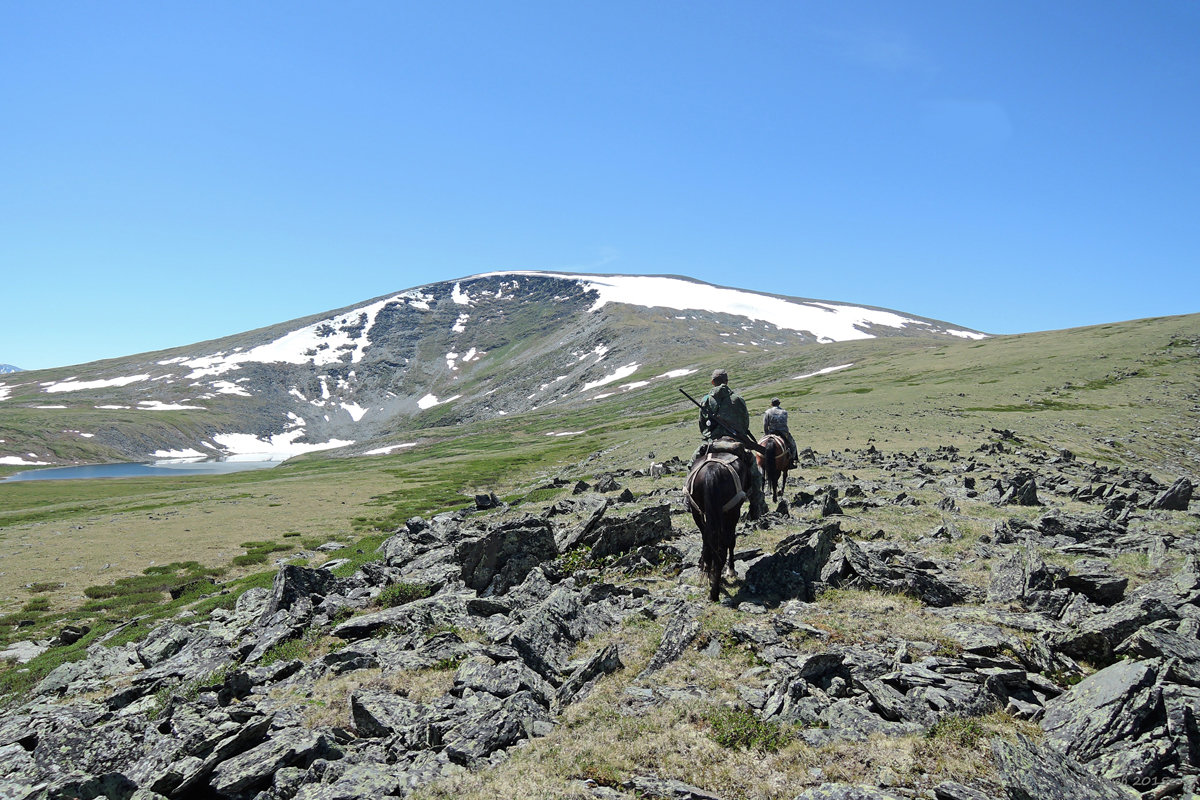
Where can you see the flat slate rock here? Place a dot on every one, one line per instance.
(846, 791)
(1031, 773)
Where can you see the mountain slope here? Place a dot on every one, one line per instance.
(473, 349)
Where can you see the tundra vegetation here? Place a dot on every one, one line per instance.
(972, 534)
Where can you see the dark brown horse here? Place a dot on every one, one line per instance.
(774, 461)
(715, 492)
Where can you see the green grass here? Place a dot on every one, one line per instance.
(259, 552)
(740, 729)
(156, 580)
(400, 593)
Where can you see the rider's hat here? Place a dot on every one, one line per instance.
(774, 401)
(720, 376)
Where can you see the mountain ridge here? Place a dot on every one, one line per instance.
(468, 349)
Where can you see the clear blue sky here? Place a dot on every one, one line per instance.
(172, 172)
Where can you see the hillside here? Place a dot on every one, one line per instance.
(903, 621)
(461, 351)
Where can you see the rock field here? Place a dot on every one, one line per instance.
(1037, 617)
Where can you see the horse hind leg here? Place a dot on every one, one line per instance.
(730, 570)
(716, 567)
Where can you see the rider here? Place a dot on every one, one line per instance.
(721, 409)
(775, 421)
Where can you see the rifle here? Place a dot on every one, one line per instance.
(746, 439)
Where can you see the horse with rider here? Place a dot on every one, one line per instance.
(725, 472)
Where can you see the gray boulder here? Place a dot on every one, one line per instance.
(93, 672)
(1021, 574)
(590, 507)
(795, 565)
(846, 791)
(1112, 705)
(607, 535)
(650, 786)
(496, 727)
(547, 637)
(256, 767)
(1176, 498)
(500, 678)
(850, 565)
(1033, 773)
(442, 609)
(577, 687)
(681, 629)
(1094, 580)
(380, 714)
(70, 747)
(505, 554)
(294, 583)
(340, 781)
(1094, 638)
(1158, 640)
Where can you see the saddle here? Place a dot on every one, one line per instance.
(730, 454)
(784, 450)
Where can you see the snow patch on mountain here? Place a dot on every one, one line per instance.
(17, 461)
(829, 322)
(430, 400)
(72, 385)
(228, 387)
(355, 411)
(280, 447)
(825, 371)
(621, 372)
(383, 451)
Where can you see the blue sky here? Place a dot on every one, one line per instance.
(174, 172)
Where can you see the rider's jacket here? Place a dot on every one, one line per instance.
(728, 405)
(775, 420)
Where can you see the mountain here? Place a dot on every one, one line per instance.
(7, 368)
(467, 350)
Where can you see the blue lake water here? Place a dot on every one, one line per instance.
(159, 469)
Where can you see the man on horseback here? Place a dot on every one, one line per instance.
(723, 413)
(775, 421)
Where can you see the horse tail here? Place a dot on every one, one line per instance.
(714, 495)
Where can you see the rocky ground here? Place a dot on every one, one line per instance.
(889, 595)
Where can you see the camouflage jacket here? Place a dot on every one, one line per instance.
(728, 405)
(775, 420)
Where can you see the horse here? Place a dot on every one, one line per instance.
(715, 495)
(774, 461)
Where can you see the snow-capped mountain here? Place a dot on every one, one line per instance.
(486, 346)
(7, 368)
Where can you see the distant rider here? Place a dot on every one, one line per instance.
(726, 405)
(775, 421)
